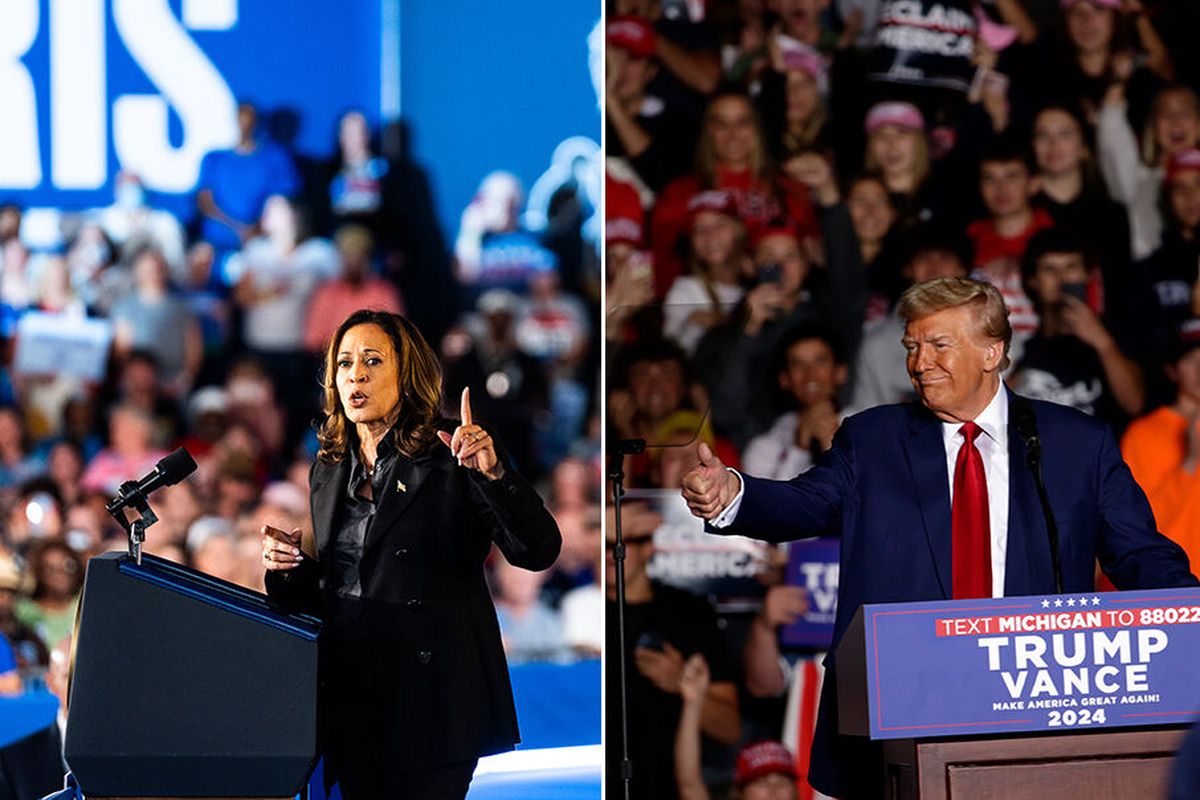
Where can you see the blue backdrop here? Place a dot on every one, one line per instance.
(494, 85)
(93, 86)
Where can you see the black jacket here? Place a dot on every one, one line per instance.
(428, 684)
(32, 767)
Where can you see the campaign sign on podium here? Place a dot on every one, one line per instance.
(1022, 664)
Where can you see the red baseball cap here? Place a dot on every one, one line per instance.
(716, 200)
(631, 33)
(622, 212)
(763, 758)
(1183, 161)
(776, 227)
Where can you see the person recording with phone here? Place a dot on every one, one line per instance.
(406, 506)
(1073, 358)
(798, 281)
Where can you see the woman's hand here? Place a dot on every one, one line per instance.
(814, 171)
(281, 551)
(472, 445)
(694, 680)
(763, 304)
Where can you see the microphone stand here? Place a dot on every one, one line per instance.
(136, 529)
(616, 473)
(1026, 424)
(1034, 457)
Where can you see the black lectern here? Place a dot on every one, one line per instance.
(188, 686)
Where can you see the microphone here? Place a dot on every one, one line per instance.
(1026, 426)
(170, 470)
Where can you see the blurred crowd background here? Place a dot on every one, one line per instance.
(159, 321)
(778, 172)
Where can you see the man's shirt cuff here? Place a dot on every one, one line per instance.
(726, 517)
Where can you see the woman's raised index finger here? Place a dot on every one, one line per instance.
(465, 406)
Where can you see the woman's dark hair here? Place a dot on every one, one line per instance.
(772, 106)
(420, 377)
(37, 557)
(1090, 172)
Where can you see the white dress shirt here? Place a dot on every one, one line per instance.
(992, 445)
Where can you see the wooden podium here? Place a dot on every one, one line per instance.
(887, 652)
(1101, 765)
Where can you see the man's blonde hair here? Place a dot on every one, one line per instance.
(939, 294)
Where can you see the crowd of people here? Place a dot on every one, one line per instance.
(778, 172)
(211, 333)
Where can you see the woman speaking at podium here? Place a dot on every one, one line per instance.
(413, 682)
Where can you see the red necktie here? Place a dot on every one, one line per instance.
(971, 545)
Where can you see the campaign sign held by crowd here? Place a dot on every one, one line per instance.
(925, 42)
(813, 565)
(1021, 664)
(723, 568)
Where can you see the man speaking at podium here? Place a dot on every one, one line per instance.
(936, 500)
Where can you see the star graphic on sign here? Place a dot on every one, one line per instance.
(1070, 601)
(1058, 603)
(1045, 604)
(1095, 601)
(1083, 601)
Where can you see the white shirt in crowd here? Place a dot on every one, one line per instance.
(686, 296)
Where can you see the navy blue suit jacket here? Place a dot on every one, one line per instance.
(883, 488)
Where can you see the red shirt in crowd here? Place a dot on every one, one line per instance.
(998, 261)
(338, 299)
(759, 204)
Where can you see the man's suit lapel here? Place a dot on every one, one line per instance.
(329, 486)
(926, 456)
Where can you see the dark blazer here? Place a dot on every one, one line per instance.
(32, 767)
(427, 682)
(883, 488)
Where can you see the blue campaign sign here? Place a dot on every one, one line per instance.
(813, 565)
(1022, 664)
(91, 87)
